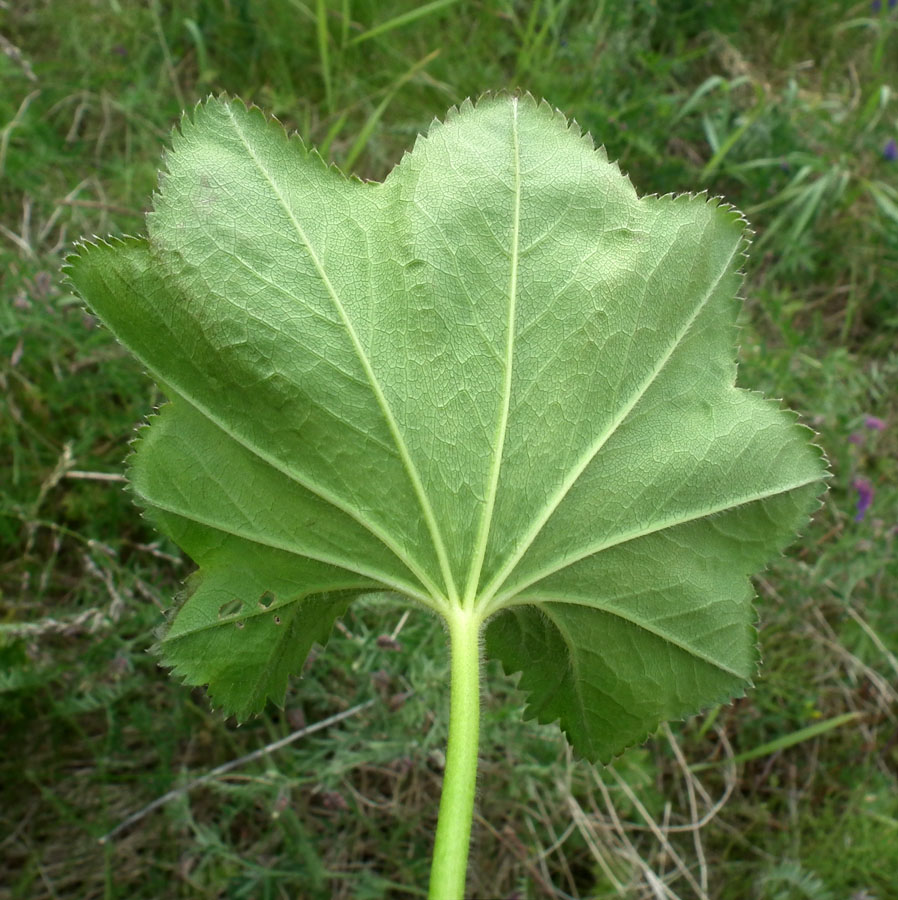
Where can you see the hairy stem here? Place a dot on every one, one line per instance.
(450, 852)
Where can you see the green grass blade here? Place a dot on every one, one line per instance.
(363, 136)
(880, 191)
(720, 153)
(784, 742)
(325, 146)
(403, 19)
(202, 55)
(324, 52)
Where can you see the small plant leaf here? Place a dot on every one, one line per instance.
(497, 380)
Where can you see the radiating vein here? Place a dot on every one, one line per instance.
(574, 666)
(265, 541)
(411, 469)
(249, 615)
(542, 601)
(508, 596)
(590, 453)
(502, 424)
(333, 499)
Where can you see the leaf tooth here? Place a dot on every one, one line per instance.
(811, 441)
(190, 123)
(82, 248)
(489, 96)
(731, 213)
(251, 109)
(85, 245)
(128, 464)
(571, 125)
(422, 137)
(797, 422)
(545, 107)
(294, 138)
(568, 123)
(615, 165)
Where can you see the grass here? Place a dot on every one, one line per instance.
(786, 108)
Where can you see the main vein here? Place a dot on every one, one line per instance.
(502, 424)
(411, 469)
(590, 453)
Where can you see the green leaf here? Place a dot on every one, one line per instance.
(499, 380)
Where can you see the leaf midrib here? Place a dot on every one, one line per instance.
(502, 424)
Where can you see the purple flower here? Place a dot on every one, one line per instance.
(876, 5)
(890, 151)
(855, 438)
(874, 423)
(864, 497)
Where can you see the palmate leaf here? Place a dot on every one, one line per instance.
(498, 380)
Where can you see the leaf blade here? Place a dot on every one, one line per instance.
(499, 372)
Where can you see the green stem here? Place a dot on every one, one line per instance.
(450, 852)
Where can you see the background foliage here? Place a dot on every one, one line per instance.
(788, 109)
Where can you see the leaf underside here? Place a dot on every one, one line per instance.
(497, 380)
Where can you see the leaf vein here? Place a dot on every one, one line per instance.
(507, 596)
(657, 632)
(591, 452)
(502, 424)
(411, 469)
(265, 541)
(275, 463)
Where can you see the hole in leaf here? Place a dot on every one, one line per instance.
(277, 620)
(240, 624)
(266, 599)
(229, 608)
